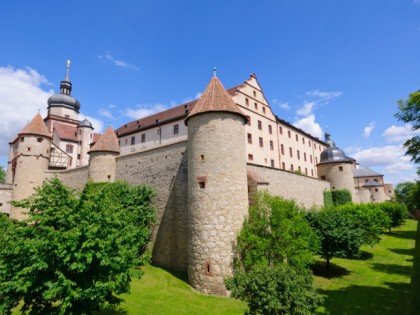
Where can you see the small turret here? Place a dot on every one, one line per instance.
(30, 161)
(102, 161)
(85, 138)
(217, 187)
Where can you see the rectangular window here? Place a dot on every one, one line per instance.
(261, 142)
(176, 129)
(309, 142)
(290, 152)
(264, 110)
(133, 140)
(259, 124)
(298, 154)
(310, 158)
(303, 140)
(69, 148)
(256, 106)
(249, 138)
(143, 137)
(270, 129)
(126, 140)
(281, 130)
(250, 157)
(22, 139)
(271, 145)
(291, 167)
(289, 133)
(283, 165)
(304, 156)
(306, 171)
(255, 94)
(249, 120)
(272, 163)
(247, 102)
(300, 170)
(315, 146)
(312, 172)
(297, 138)
(282, 149)
(340, 168)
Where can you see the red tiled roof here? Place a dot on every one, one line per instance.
(108, 142)
(36, 127)
(215, 99)
(96, 136)
(66, 132)
(177, 112)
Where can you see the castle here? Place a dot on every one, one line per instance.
(204, 158)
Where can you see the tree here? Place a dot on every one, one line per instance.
(409, 112)
(2, 175)
(280, 289)
(341, 196)
(397, 213)
(403, 194)
(274, 248)
(75, 253)
(339, 233)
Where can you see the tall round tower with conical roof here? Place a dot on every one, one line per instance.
(336, 167)
(30, 161)
(217, 187)
(102, 161)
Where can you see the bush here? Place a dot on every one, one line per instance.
(277, 290)
(328, 199)
(341, 197)
(75, 252)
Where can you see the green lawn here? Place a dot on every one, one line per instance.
(380, 283)
(383, 282)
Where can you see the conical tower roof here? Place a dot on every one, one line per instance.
(108, 142)
(36, 127)
(215, 99)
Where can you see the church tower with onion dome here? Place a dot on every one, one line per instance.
(217, 187)
(30, 160)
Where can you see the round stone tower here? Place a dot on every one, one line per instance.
(102, 161)
(217, 187)
(85, 138)
(337, 168)
(30, 161)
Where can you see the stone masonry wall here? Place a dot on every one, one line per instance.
(5, 198)
(75, 177)
(307, 191)
(164, 169)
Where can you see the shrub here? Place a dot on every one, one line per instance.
(341, 197)
(328, 199)
(396, 213)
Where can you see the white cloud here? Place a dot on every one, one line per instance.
(282, 105)
(106, 113)
(189, 99)
(309, 125)
(144, 110)
(306, 109)
(22, 95)
(324, 96)
(399, 133)
(117, 62)
(368, 129)
(381, 156)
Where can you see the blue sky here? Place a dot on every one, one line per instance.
(324, 65)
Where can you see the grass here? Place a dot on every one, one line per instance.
(382, 282)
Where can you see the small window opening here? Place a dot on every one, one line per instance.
(202, 157)
(109, 176)
(340, 168)
(207, 268)
(39, 139)
(323, 177)
(202, 185)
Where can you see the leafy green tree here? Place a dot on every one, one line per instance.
(369, 218)
(403, 194)
(280, 289)
(339, 233)
(328, 200)
(75, 253)
(275, 232)
(409, 112)
(2, 175)
(396, 212)
(274, 248)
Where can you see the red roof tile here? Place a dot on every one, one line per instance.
(177, 112)
(108, 142)
(215, 99)
(66, 132)
(36, 127)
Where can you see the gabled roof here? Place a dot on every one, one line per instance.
(371, 183)
(36, 127)
(215, 99)
(66, 132)
(107, 143)
(365, 172)
(175, 113)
